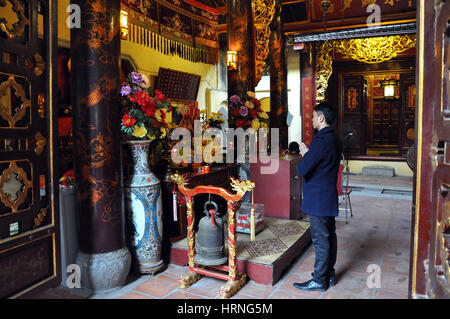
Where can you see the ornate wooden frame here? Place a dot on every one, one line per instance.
(234, 279)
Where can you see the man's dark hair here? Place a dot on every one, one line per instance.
(294, 148)
(327, 110)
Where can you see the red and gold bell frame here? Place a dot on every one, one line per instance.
(235, 280)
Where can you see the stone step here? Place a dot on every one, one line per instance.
(378, 171)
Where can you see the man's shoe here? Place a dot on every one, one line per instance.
(332, 281)
(311, 285)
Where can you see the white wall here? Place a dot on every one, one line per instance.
(294, 95)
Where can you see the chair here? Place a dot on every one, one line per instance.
(343, 189)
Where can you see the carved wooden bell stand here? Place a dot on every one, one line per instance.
(235, 280)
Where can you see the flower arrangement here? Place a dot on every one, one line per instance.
(144, 109)
(247, 112)
(67, 180)
(215, 121)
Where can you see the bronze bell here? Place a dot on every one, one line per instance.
(210, 250)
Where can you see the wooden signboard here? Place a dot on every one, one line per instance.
(177, 85)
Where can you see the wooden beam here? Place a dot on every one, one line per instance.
(348, 23)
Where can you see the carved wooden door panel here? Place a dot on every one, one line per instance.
(439, 257)
(430, 275)
(29, 238)
(353, 114)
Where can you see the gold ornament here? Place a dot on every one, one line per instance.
(324, 68)
(264, 13)
(241, 186)
(376, 49)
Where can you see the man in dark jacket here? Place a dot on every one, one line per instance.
(319, 168)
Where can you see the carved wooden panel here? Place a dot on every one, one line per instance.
(353, 114)
(439, 257)
(177, 85)
(27, 181)
(386, 122)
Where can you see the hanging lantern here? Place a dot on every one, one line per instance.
(123, 24)
(389, 88)
(232, 60)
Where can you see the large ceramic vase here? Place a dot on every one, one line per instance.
(144, 209)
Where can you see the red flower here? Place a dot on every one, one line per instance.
(159, 96)
(253, 113)
(236, 112)
(128, 121)
(141, 97)
(257, 102)
(240, 123)
(149, 108)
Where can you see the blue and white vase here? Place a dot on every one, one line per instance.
(144, 209)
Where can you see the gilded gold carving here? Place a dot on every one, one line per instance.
(231, 242)
(39, 64)
(21, 194)
(179, 179)
(188, 279)
(41, 105)
(40, 143)
(16, 27)
(324, 68)
(40, 217)
(346, 4)
(375, 49)
(190, 232)
(5, 98)
(231, 287)
(365, 3)
(264, 13)
(241, 186)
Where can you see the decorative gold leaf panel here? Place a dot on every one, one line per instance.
(14, 101)
(40, 143)
(13, 19)
(14, 186)
(375, 49)
(264, 13)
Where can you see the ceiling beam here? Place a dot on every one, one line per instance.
(347, 23)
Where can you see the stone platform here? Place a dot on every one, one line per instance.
(263, 260)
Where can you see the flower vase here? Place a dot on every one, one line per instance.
(144, 210)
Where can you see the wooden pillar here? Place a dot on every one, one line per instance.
(95, 56)
(278, 79)
(241, 36)
(308, 93)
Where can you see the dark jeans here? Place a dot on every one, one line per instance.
(323, 235)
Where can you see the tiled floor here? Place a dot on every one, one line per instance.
(376, 237)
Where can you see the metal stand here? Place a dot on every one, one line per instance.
(234, 279)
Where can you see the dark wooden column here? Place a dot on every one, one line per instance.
(278, 79)
(308, 93)
(241, 39)
(95, 52)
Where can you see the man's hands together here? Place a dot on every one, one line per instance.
(303, 149)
